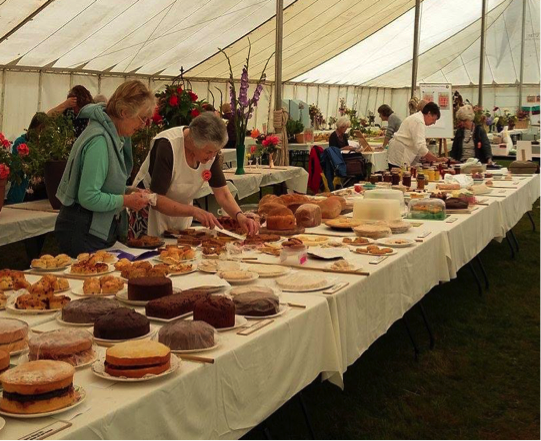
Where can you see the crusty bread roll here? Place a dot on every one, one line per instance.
(294, 201)
(281, 218)
(308, 216)
(270, 198)
(330, 208)
(265, 209)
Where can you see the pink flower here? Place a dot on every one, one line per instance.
(265, 142)
(274, 140)
(23, 150)
(252, 149)
(173, 101)
(4, 171)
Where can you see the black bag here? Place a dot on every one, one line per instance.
(355, 164)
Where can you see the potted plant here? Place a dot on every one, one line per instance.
(293, 129)
(49, 149)
(523, 120)
(241, 106)
(316, 117)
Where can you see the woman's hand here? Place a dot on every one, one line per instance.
(205, 218)
(249, 225)
(135, 201)
(70, 103)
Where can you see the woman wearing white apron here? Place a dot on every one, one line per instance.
(181, 161)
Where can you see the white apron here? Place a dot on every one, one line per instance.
(186, 182)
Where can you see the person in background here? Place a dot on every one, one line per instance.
(17, 192)
(180, 162)
(409, 142)
(339, 137)
(393, 122)
(78, 97)
(100, 99)
(93, 187)
(231, 131)
(471, 141)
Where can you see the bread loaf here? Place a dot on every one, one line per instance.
(265, 209)
(281, 218)
(308, 216)
(294, 201)
(330, 208)
(270, 198)
(341, 199)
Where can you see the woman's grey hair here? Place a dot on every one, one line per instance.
(208, 130)
(465, 113)
(100, 99)
(343, 121)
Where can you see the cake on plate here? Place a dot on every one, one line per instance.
(218, 311)
(257, 301)
(187, 335)
(5, 359)
(302, 282)
(37, 387)
(176, 304)
(149, 288)
(121, 324)
(88, 310)
(373, 231)
(135, 359)
(74, 346)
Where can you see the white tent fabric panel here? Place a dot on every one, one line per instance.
(322, 101)
(88, 81)
(399, 102)
(334, 102)
(20, 102)
(54, 90)
(288, 92)
(14, 12)
(109, 85)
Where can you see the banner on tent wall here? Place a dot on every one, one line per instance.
(442, 95)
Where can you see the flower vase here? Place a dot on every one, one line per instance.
(271, 161)
(241, 155)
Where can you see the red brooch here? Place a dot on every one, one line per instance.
(206, 175)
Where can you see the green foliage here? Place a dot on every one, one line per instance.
(293, 127)
(53, 142)
(178, 104)
(141, 143)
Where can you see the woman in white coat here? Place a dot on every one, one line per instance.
(181, 161)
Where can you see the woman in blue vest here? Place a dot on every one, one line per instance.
(93, 187)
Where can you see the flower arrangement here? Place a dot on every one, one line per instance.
(242, 107)
(141, 140)
(267, 146)
(177, 104)
(316, 117)
(5, 159)
(332, 122)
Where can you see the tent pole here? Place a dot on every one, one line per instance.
(415, 60)
(278, 55)
(522, 44)
(482, 55)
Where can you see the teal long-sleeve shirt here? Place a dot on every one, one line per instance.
(95, 165)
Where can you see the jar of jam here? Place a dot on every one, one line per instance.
(413, 172)
(457, 169)
(406, 179)
(395, 178)
(373, 179)
(421, 181)
(380, 177)
(387, 177)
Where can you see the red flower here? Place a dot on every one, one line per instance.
(265, 142)
(157, 118)
(23, 150)
(173, 101)
(2, 137)
(195, 113)
(206, 175)
(179, 90)
(4, 171)
(193, 96)
(6, 143)
(252, 149)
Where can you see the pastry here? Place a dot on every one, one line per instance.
(74, 346)
(356, 241)
(374, 250)
(37, 387)
(3, 300)
(92, 286)
(10, 279)
(122, 263)
(89, 266)
(373, 231)
(47, 301)
(255, 301)
(293, 244)
(312, 239)
(88, 310)
(176, 304)
(342, 265)
(218, 311)
(13, 334)
(48, 262)
(308, 216)
(121, 324)
(135, 359)
(281, 219)
(174, 254)
(187, 335)
(111, 284)
(5, 359)
(149, 288)
(145, 242)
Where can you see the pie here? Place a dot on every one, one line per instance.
(236, 275)
(302, 282)
(343, 223)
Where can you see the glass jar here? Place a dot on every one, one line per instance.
(395, 178)
(421, 181)
(373, 179)
(413, 172)
(406, 179)
(387, 177)
(457, 169)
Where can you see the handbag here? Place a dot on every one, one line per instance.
(355, 164)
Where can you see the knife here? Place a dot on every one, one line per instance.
(229, 233)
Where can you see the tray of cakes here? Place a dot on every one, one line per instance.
(173, 254)
(47, 283)
(89, 267)
(99, 256)
(121, 324)
(51, 263)
(11, 280)
(136, 361)
(100, 286)
(188, 337)
(257, 302)
(39, 388)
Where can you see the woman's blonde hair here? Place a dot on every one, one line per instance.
(130, 97)
(465, 113)
(343, 122)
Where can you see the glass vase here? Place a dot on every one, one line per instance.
(241, 149)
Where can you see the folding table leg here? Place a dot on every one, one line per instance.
(479, 286)
(529, 213)
(485, 275)
(427, 324)
(413, 342)
(306, 416)
(510, 246)
(512, 233)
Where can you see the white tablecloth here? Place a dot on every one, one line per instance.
(16, 225)
(378, 160)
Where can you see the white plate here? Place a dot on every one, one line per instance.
(110, 269)
(79, 391)
(79, 292)
(11, 308)
(355, 267)
(24, 359)
(327, 253)
(98, 369)
(77, 325)
(282, 309)
(162, 320)
(123, 297)
(279, 270)
(376, 255)
(391, 242)
(50, 270)
(105, 342)
(240, 321)
(253, 277)
(330, 282)
(2, 423)
(193, 270)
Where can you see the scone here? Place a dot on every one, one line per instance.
(92, 286)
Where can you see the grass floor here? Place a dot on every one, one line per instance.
(480, 381)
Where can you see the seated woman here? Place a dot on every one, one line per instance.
(180, 162)
(78, 97)
(471, 141)
(93, 187)
(339, 138)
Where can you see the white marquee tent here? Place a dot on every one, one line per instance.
(360, 50)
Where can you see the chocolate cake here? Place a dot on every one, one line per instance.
(218, 311)
(455, 204)
(176, 304)
(187, 335)
(88, 310)
(257, 302)
(149, 288)
(121, 324)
